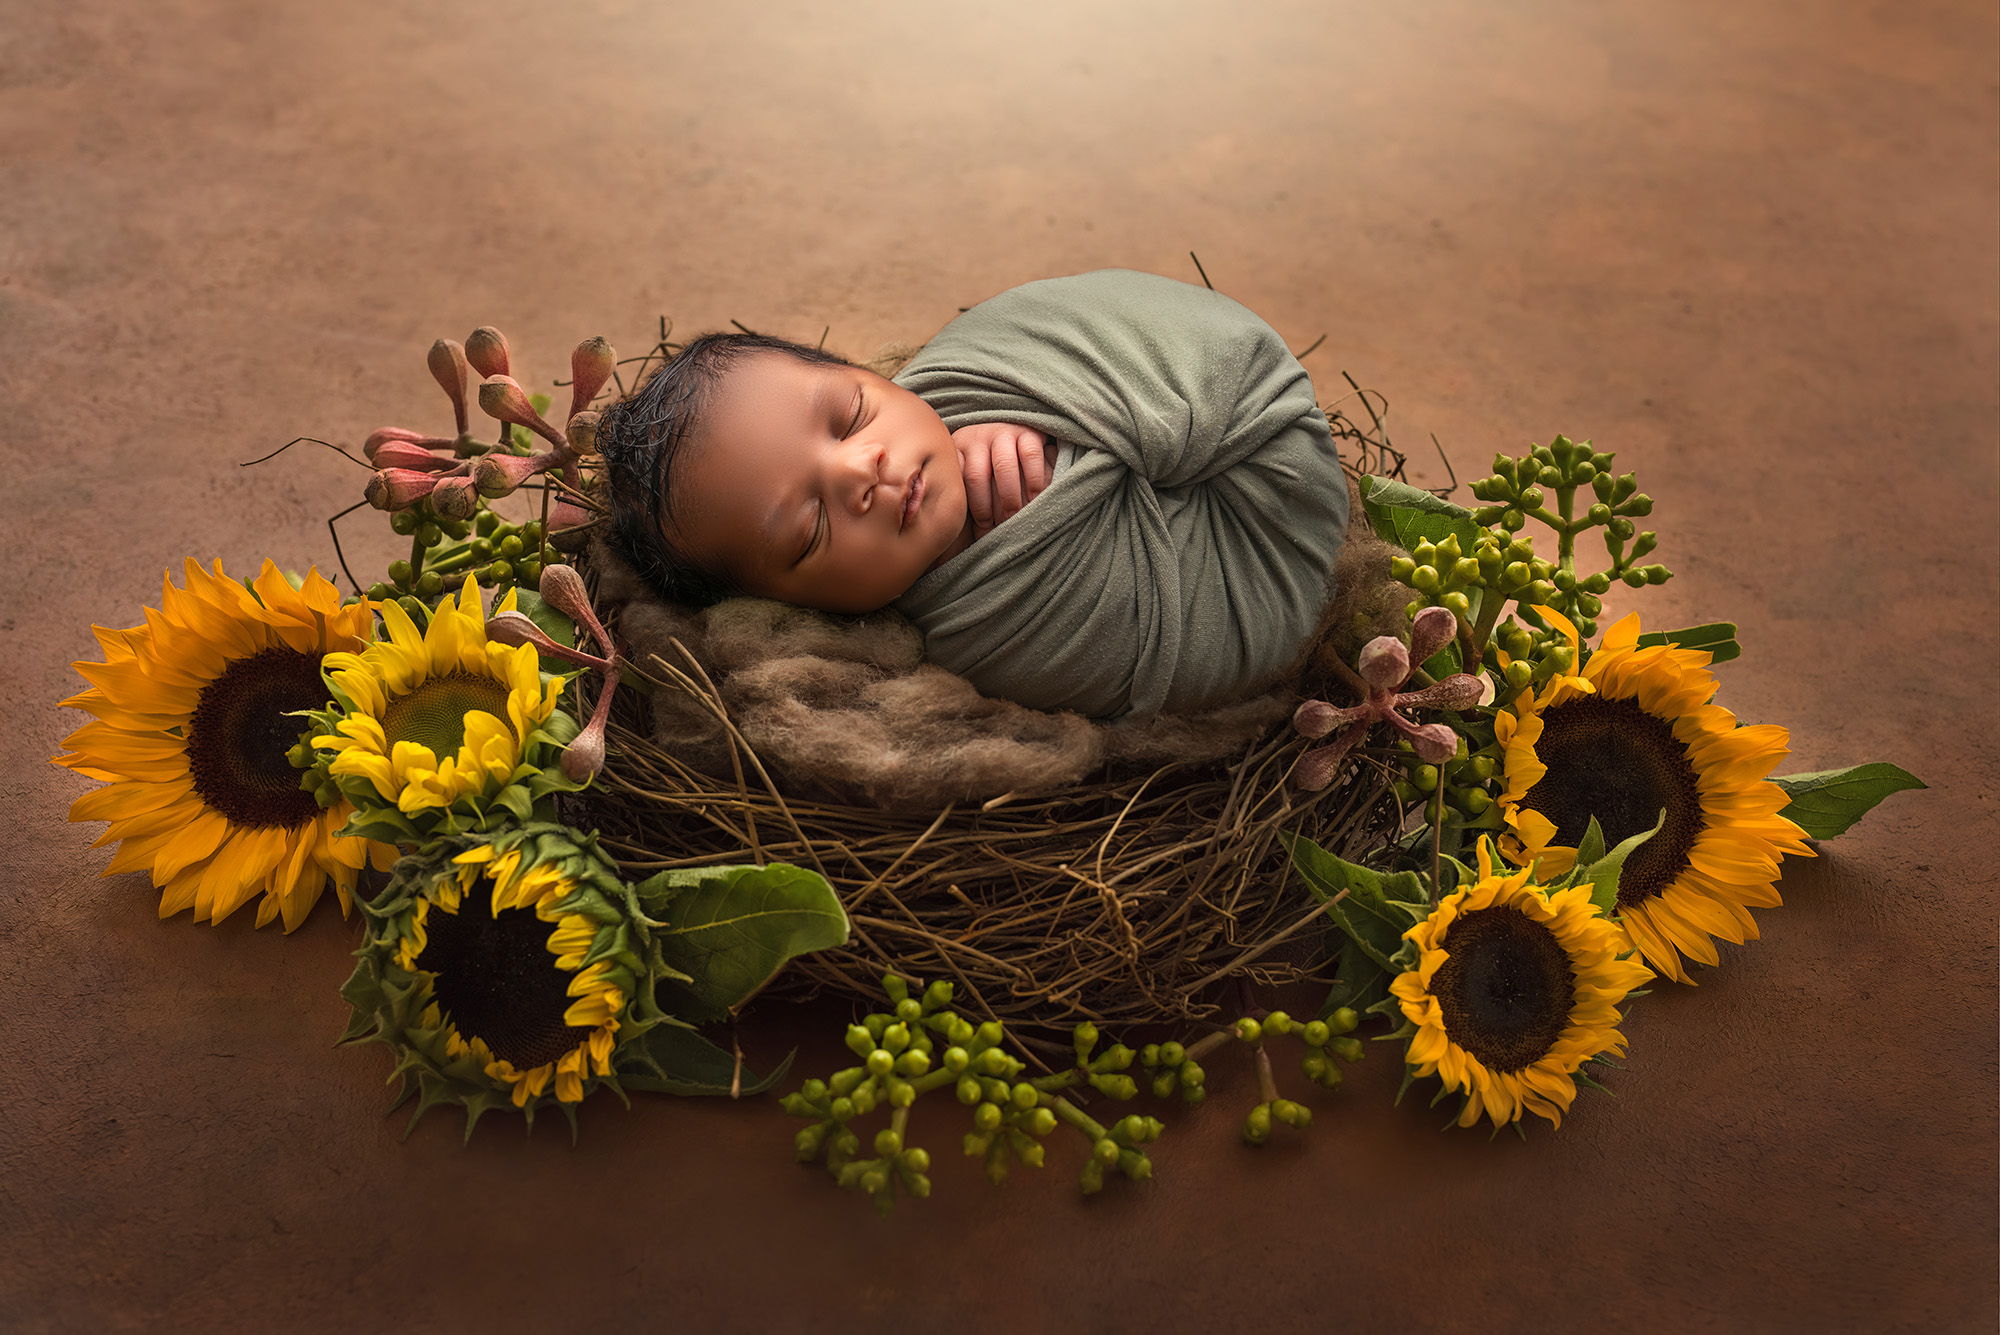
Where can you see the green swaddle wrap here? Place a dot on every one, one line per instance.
(1182, 559)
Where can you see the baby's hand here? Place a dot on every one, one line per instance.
(1005, 467)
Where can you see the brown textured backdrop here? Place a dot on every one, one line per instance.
(1749, 246)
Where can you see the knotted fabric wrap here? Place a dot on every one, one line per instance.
(1183, 559)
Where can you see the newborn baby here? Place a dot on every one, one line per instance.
(1112, 493)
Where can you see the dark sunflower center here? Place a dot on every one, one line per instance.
(433, 715)
(1505, 988)
(239, 733)
(1612, 760)
(497, 980)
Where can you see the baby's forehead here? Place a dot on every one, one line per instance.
(768, 389)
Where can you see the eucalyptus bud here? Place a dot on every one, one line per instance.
(399, 488)
(486, 349)
(447, 363)
(497, 474)
(383, 435)
(455, 498)
(506, 401)
(410, 455)
(589, 367)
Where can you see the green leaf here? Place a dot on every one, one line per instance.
(552, 623)
(1377, 911)
(1592, 846)
(683, 1062)
(1718, 637)
(1825, 802)
(730, 929)
(1602, 873)
(1402, 514)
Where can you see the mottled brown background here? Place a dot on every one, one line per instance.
(1751, 247)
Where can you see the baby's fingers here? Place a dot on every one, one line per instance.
(1036, 466)
(975, 466)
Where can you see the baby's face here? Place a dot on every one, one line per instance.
(824, 486)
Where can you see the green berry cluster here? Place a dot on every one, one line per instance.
(498, 553)
(1325, 1041)
(1497, 568)
(1520, 490)
(923, 1045)
(1174, 1070)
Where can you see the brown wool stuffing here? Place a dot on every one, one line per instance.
(845, 709)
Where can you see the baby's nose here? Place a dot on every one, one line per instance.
(857, 472)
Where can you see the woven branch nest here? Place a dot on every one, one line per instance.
(1124, 900)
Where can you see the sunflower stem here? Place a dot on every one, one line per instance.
(1437, 832)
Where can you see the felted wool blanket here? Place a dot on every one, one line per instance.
(1182, 559)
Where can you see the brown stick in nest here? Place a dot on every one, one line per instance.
(1123, 901)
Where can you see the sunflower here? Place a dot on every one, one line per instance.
(434, 726)
(1636, 734)
(194, 722)
(1515, 987)
(504, 971)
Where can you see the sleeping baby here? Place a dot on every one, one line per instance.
(1111, 493)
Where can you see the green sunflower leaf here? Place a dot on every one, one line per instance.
(1373, 922)
(1718, 637)
(1405, 515)
(730, 929)
(1825, 802)
(683, 1062)
(1602, 873)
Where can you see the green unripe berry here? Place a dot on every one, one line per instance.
(1588, 604)
(1425, 552)
(874, 1182)
(1465, 570)
(901, 1093)
(1658, 574)
(1315, 1065)
(807, 1142)
(486, 521)
(1257, 1126)
(400, 574)
(987, 1117)
(1404, 792)
(1512, 520)
(1474, 801)
(1348, 1050)
(880, 1062)
(430, 584)
(1149, 1056)
(1279, 1023)
(1401, 568)
(1531, 498)
(1105, 1152)
(1344, 1020)
(1598, 514)
(482, 550)
(1481, 767)
(956, 1059)
(405, 522)
(1249, 1030)
(896, 1037)
(1163, 1084)
(888, 1143)
(1639, 504)
(1192, 1076)
(1597, 583)
(1316, 1033)
(498, 573)
(1458, 603)
(1584, 472)
(968, 1090)
(511, 547)
(429, 534)
(917, 1160)
(1424, 579)
(1515, 575)
(909, 1010)
(1024, 1097)
(859, 1041)
(841, 1110)
(1424, 778)
(1291, 1114)
(381, 592)
(863, 1099)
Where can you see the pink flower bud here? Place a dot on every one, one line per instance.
(1434, 743)
(499, 474)
(583, 758)
(383, 435)
(589, 367)
(1317, 718)
(406, 454)
(1318, 767)
(455, 498)
(399, 488)
(447, 363)
(486, 349)
(568, 514)
(1384, 663)
(501, 398)
(582, 432)
(1460, 690)
(1431, 631)
(562, 588)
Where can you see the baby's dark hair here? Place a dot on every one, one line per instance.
(641, 436)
